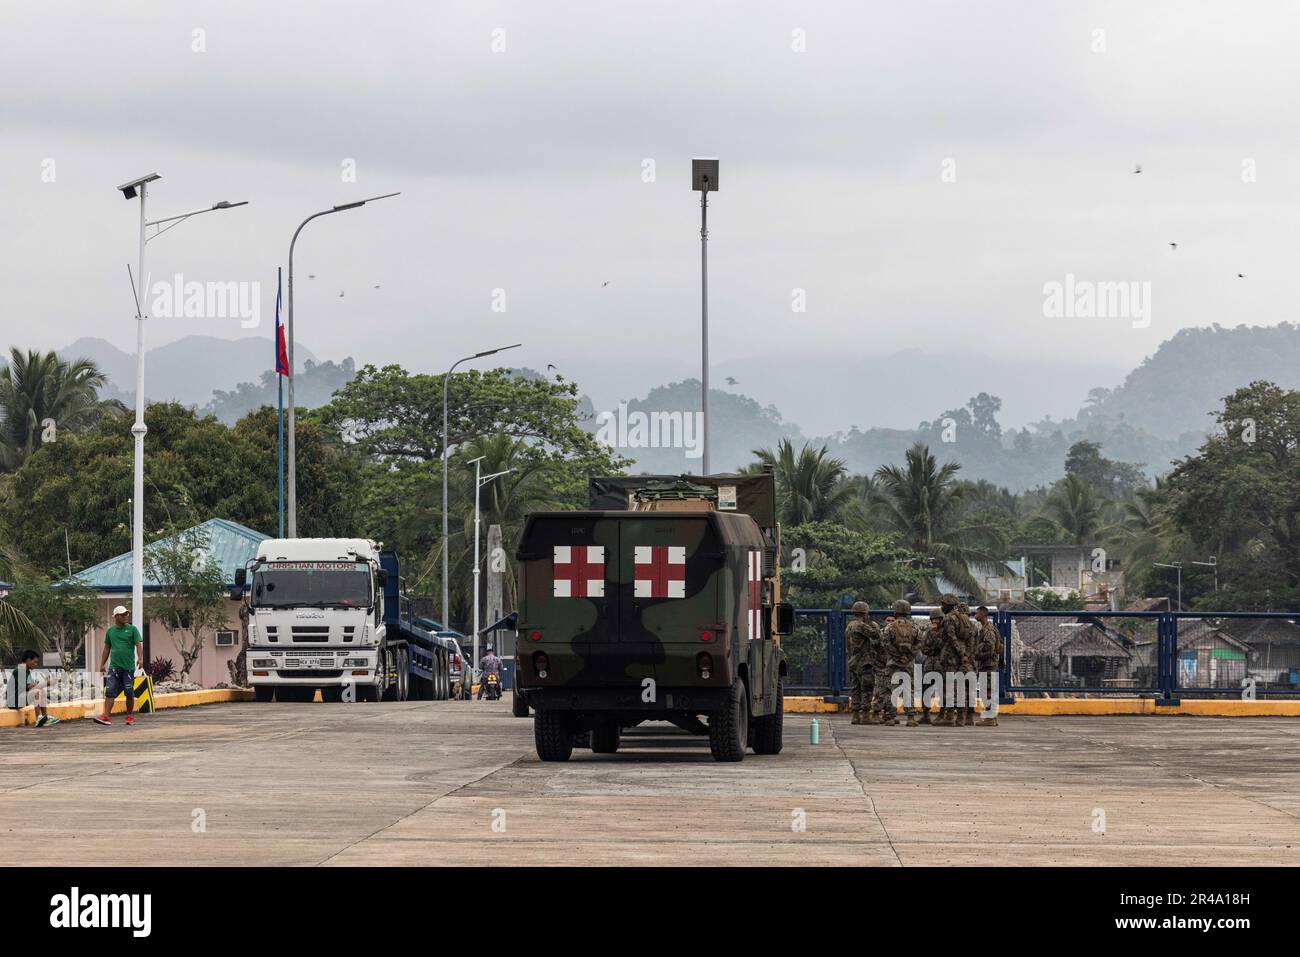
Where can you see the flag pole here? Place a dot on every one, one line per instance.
(279, 384)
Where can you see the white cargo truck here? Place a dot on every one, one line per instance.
(327, 614)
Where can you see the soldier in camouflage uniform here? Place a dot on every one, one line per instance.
(858, 637)
(971, 636)
(931, 646)
(988, 653)
(875, 667)
(898, 643)
(954, 656)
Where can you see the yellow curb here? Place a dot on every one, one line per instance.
(73, 710)
(1106, 706)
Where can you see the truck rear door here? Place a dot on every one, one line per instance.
(569, 585)
(671, 571)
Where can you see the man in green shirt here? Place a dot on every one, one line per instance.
(122, 649)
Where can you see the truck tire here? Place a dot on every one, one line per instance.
(605, 738)
(264, 693)
(551, 734)
(403, 692)
(769, 729)
(729, 728)
(518, 706)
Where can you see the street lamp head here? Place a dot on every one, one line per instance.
(362, 202)
(492, 352)
(129, 189)
(226, 204)
(704, 174)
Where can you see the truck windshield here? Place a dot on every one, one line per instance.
(312, 585)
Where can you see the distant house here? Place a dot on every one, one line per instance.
(1208, 656)
(1273, 645)
(231, 545)
(1070, 652)
(1072, 570)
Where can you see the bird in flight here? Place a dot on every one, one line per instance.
(549, 367)
(340, 293)
(376, 287)
(1174, 247)
(1138, 168)
(731, 381)
(604, 284)
(1241, 275)
(311, 275)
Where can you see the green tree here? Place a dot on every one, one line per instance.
(922, 503)
(1075, 509)
(391, 414)
(810, 486)
(191, 601)
(824, 562)
(43, 397)
(82, 484)
(1237, 498)
(63, 612)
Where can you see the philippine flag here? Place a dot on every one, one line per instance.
(281, 353)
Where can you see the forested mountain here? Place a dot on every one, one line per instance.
(1161, 411)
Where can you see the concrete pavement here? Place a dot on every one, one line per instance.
(429, 783)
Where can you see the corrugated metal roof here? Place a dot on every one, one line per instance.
(230, 543)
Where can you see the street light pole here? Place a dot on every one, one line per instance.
(479, 482)
(1179, 566)
(446, 551)
(138, 430)
(288, 348)
(704, 177)
(1212, 563)
(139, 187)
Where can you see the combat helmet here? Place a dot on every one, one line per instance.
(947, 601)
(902, 609)
(861, 608)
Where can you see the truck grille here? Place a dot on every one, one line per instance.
(316, 633)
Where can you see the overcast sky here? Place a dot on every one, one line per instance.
(524, 170)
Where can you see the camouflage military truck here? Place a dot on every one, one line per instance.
(663, 607)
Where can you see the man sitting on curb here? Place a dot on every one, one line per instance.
(30, 687)
(122, 647)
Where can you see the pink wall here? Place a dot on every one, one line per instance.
(210, 666)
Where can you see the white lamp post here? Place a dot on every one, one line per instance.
(130, 190)
(446, 621)
(479, 481)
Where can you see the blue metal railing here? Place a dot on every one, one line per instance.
(820, 667)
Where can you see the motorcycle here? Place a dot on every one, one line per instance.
(492, 688)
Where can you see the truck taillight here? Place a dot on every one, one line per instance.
(457, 661)
(706, 635)
(536, 636)
(541, 664)
(704, 664)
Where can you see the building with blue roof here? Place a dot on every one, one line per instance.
(231, 545)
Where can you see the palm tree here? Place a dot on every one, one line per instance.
(36, 388)
(922, 503)
(505, 501)
(15, 627)
(1144, 531)
(810, 487)
(1074, 508)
